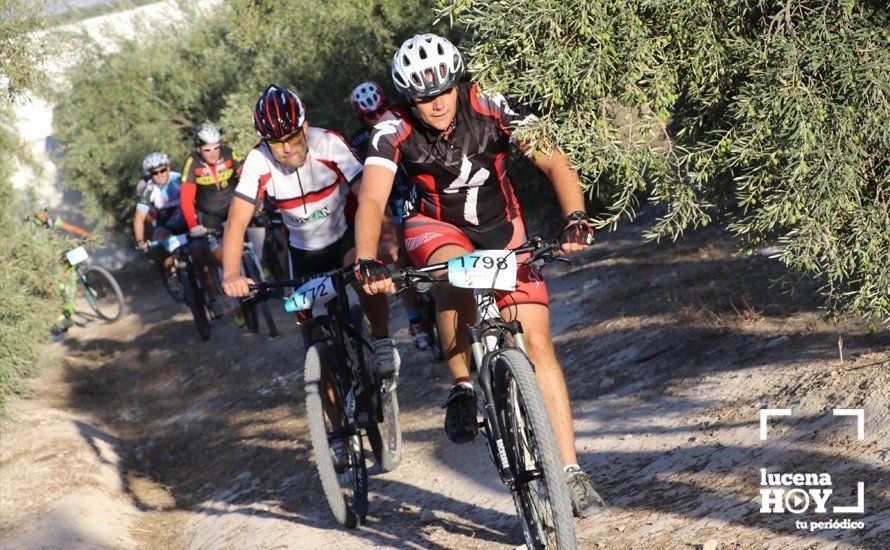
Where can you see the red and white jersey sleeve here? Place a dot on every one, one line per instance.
(312, 198)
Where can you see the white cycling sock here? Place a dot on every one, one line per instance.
(571, 467)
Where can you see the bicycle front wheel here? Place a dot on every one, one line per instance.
(540, 493)
(103, 293)
(344, 478)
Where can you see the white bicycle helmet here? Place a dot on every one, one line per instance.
(206, 133)
(154, 160)
(367, 97)
(426, 65)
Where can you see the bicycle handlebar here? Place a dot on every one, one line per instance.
(542, 252)
(260, 291)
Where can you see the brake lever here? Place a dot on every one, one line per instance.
(257, 295)
(420, 286)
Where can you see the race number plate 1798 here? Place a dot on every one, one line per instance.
(494, 269)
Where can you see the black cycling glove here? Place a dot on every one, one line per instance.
(577, 229)
(370, 270)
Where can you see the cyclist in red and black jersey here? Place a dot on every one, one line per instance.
(209, 178)
(370, 105)
(453, 141)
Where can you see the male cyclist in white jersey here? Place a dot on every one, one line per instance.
(453, 140)
(160, 197)
(307, 173)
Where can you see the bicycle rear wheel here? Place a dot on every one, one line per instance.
(540, 494)
(347, 490)
(385, 437)
(103, 293)
(194, 298)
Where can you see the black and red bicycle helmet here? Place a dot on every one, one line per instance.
(278, 112)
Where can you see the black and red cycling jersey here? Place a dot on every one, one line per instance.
(210, 188)
(461, 180)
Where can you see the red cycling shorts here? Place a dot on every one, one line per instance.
(424, 236)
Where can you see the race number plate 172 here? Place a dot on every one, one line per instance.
(494, 269)
(315, 292)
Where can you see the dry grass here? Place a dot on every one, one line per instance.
(729, 314)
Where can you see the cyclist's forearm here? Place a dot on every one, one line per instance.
(368, 221)
(565, 180)
(139, 225)
(75, 230)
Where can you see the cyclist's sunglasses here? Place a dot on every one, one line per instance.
(292, 139)
(159, 171)
(210, 149)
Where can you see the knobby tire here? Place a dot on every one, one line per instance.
(543, 504)
(104, 292)
(321, 356)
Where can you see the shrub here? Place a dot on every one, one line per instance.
(771, 117)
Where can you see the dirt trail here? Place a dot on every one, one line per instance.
(670, 351)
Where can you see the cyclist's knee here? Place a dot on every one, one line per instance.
(540, 347)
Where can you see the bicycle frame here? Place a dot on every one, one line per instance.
(87, 290)
(487, 340)
(249, 254)
(336, 327)
(483, 359)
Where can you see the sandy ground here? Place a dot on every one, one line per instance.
(149, 438)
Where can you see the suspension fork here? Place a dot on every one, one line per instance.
(483, 360)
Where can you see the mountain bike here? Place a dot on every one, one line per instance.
(518, 430)
(194, 289)
(168, 275)
(345, 397)
(251, 267)
(102, 292)
(275, 253)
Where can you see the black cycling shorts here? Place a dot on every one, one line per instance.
(309, 262)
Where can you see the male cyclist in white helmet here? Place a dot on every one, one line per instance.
(453, 141)
(160, 196)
